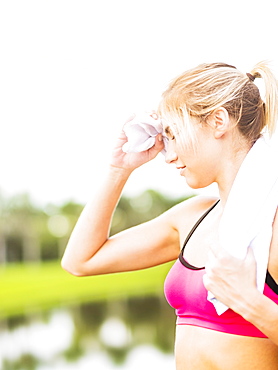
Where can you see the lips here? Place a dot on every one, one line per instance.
(181, 169)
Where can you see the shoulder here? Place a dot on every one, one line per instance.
(190, 210)
(195, 204)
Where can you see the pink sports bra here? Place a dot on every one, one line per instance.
(185, 291)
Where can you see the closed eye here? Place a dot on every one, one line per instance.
(169, 133)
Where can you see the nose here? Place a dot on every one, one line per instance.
(171, 155)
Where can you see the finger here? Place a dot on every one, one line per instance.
(250, 253)
(159, 144)
(154, 115)
(156, 149)
(250, 257)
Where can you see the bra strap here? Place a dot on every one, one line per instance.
(271, 282)
(197, 224)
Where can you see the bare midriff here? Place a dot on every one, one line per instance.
(204, 349)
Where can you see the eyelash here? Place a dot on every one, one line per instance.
(169, 133)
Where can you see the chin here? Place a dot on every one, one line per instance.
(193, 185)
(196, 184)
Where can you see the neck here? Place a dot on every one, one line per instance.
(228, 175)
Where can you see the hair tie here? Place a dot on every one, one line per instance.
(251, 77)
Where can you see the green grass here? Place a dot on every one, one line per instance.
(27, 288)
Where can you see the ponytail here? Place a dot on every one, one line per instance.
(261, 70)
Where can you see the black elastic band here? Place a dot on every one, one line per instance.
(197, 224)
(182, 260)
(271, 283)
(251, 77)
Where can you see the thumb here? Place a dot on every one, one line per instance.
(251, 265)
(250, 257)
(250, 260)
(158, 146)
(159, 143)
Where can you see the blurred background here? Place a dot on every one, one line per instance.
(71, 73)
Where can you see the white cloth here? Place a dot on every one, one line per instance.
(250, 209)
(141, 132)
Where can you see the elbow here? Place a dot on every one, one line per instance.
(71, 268)
(78, 269)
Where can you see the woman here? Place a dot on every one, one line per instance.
(212, 115)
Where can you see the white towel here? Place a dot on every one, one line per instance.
(141, 132)
(250, 209)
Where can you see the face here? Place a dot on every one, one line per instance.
(199, 164)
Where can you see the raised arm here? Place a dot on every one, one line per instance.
(90, 251)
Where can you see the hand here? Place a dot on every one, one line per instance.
(229, 279)
(130, 161)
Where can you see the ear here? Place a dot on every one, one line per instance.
(219, 121)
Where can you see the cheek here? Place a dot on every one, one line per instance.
(200, 172)
(185, 151)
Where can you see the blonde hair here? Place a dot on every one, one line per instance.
(199, 91)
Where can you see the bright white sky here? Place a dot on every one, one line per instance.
(71, 72)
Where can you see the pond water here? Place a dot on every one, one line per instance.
(128, 334)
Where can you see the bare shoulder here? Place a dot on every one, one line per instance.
(189, 211)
